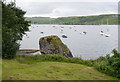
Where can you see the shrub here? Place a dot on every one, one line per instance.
(109, 64)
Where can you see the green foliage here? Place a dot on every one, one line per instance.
(54, 57)
(109, 64)
(14, 26)
(40, 20)
(110, 19)
(0, 29)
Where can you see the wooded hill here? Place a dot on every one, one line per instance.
(108, 19)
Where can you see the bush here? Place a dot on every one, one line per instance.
(109, 64)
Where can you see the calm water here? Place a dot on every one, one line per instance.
(88, 46)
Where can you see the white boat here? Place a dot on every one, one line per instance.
(102, 33)
(107, 35)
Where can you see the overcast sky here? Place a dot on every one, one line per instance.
(64, 8)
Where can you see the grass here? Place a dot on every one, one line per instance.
(26, 68)
(54, 57)
(0, 69)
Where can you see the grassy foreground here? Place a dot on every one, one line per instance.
(0, 70)
(48, 70)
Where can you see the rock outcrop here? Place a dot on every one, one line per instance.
(53, 45)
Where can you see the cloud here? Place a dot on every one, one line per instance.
(57, 12)
(60, 9)
(99, 13)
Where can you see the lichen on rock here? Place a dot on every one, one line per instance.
(53, 45)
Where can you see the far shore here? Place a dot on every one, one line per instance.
(75, 24)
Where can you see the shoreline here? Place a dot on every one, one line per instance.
(78, 24)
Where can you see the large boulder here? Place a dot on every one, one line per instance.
(53, 45)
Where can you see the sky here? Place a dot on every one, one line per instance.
(65, 8)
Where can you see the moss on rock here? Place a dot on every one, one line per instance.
(53, 45)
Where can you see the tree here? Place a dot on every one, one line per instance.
(14, 26)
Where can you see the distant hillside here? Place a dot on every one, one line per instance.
(40, 20)
(110, 19)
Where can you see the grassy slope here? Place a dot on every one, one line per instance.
(0, 70)
(86, 20)
(50, 71)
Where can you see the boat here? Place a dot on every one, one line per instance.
(107, 35)
(42, 32)
(62, 27)
(85, 32)
(102, 33)
(64, 36)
